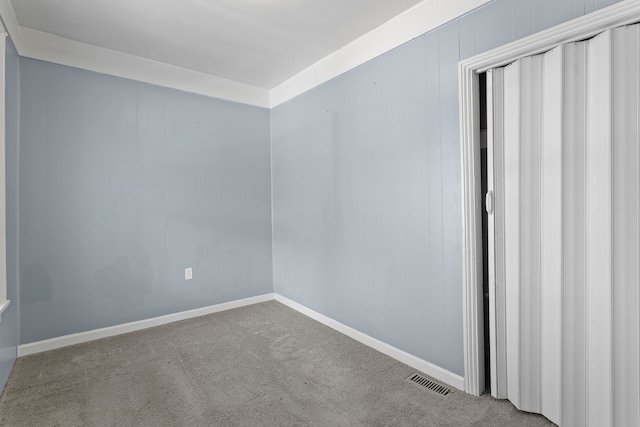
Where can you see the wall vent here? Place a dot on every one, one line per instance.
(428, 384)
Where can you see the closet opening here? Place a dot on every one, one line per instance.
(485, 230)
(577, 200)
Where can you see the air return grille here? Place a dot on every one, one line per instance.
(428, 384)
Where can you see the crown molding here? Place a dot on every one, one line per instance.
(60, 50)
(423, 17)
(9, 22)
(418, 20)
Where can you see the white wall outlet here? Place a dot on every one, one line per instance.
(188, 273)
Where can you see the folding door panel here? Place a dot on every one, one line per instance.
(566, 243)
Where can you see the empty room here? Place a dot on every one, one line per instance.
(320, 213)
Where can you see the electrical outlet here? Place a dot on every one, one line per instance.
(188, 273)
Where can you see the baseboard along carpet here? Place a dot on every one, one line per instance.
(260, 365)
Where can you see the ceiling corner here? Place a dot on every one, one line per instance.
(10, 22)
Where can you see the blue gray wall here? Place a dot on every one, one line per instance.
(122, 186)
(366, 184)
(9, 326)
(114, 187)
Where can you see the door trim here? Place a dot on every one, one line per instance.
(622, 13)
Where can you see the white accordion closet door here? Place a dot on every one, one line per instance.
(566, 240)
(625, 319)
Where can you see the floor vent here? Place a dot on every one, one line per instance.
(428, 384)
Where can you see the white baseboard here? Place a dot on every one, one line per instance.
(428, 368)
(66, 340)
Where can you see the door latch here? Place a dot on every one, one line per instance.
(488, 202)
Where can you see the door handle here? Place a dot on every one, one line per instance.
(488, 202)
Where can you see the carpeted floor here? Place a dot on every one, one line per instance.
(263, 365)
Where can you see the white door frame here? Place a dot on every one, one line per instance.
(622, 13)
(4, 302)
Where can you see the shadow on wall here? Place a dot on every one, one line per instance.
(120, 282)
(124, 285)
(35, 284)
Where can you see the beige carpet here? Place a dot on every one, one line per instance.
(263, 365)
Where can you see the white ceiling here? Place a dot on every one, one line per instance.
(257, 42)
